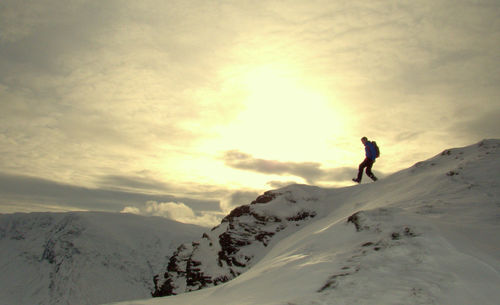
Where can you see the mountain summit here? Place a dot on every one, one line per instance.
(424, 235)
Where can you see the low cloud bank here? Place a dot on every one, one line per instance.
(177, 211)
(180, 212)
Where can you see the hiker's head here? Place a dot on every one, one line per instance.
(364, 140)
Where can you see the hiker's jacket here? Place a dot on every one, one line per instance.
(370, 151)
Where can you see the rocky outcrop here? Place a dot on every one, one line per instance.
(232, 247)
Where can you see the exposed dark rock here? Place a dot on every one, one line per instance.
(220, 280)
(264, 237)
(237, 212)
(407, 232)
(301, 216)
(355, 219)
(167, 288)
(332, 282)
(49, 252)
(266, 197)
(246, 210)
(195, 278)
(230, 244)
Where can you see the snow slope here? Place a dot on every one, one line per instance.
(424, 235)
(83, 257)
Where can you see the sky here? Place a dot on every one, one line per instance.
(186, 109)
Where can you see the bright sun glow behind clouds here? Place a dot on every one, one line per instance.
(283, 118)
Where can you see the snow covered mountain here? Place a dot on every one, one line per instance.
(424, 235)
(84, 257)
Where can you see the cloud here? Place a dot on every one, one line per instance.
(406, 136)
(177, 211)
(36, 194)
(120, 194)
(237, 199)
(485, 124)
(309, 171)
(172, 210)
(279, 184)
(101, 88)
(133, 182)
(101, 82)
(131, 210)
(341, 174)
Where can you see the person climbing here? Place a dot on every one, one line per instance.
(371, 152)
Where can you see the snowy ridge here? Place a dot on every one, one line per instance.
(83, 257)
(424, 235)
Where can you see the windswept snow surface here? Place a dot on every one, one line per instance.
(424, 235)
(84, 257)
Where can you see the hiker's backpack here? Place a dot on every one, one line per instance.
(377, 150)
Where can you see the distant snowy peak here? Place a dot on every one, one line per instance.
(238, 242)
(67, 258)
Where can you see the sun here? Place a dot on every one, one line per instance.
(283, 117)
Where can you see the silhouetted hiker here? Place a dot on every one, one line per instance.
(372, 153)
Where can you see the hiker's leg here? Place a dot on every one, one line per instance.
(360, 170)
(369, 170)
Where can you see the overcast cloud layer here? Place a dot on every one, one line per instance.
(145, 96)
